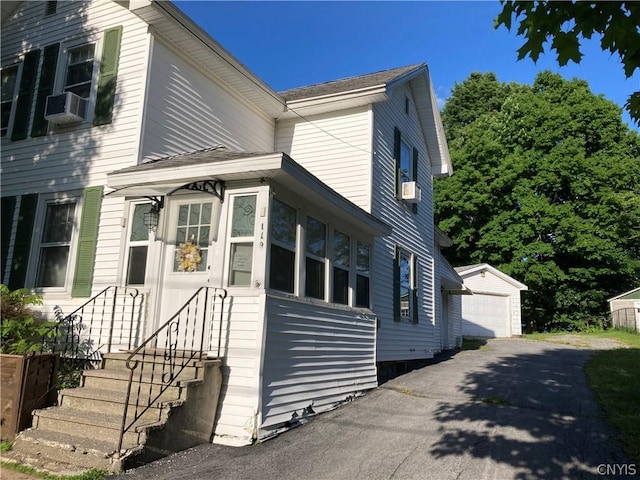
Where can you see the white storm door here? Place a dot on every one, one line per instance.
(188, 247)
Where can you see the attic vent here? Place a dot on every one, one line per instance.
(51, 7)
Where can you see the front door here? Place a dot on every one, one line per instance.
(191, 223)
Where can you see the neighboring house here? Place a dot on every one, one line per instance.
(494, 308)
(311, 207)
(625, 309)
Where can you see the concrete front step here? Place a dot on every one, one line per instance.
(78, 422)
(82, 432)
(118, 380)
(108, 401)
(34, 446)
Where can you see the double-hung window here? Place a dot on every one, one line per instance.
(9, 80)
(316, 251)
(138, 245)
(283, 247)
(405, 286)
(406, 165)
(55, 244)
(363, 274)
(341, 267)
(79, 71)
(243, 219)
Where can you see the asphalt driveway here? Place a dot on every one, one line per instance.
(516, 409)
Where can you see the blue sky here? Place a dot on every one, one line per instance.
(297, 43)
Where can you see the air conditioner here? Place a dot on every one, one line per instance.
(64, 108)
(411, 192)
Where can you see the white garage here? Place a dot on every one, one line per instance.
(494, 309)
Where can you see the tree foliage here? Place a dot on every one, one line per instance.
(547, 189)
(565, 24)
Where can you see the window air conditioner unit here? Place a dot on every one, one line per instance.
(411, 192)
(64, 108)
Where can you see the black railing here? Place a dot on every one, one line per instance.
(624, 318)
(176, 345)
(112, 318)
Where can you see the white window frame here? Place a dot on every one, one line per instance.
(231, 240)
(14, 100)
(324, 260)
(128, 243)
(61, 72)
(404, 146)
(356, 274)
(37, 244)
(294, 250)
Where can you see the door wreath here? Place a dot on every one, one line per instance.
(188, 257)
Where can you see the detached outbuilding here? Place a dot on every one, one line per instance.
(625, 309)
(494, 309)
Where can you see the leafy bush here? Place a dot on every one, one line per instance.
(23, 329)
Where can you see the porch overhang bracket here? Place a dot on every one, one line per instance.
(212, 187)
(157, 201)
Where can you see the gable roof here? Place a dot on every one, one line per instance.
(470, 270)
(633, 294)
(373, 88)
(341, 86)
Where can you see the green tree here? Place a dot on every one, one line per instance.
(565, 24)
(547, 189)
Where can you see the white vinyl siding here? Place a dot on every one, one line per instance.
(411, 232)
(185, 110)
(336, 148)
(317, 356)
(79, 156)
(241, 347)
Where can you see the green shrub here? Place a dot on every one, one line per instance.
(22, 330)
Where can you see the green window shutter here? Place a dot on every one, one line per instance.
(8, 206)
(415, 174)
(108, 74)
(414, 291)
(396, 157)
(396, 285)
(22, 244)
(25, 95)
(45, 88)
(87, 242)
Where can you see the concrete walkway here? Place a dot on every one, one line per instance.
(515, 409)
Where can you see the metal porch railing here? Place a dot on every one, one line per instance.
(180, 341)
(112, 318)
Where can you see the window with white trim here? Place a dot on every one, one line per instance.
(79, 71)
(341, 267)
(316, 253)
(55, 244)
(363, 274)
(138, 244)
(283, 246)
(8, 95)
(405, 173)
(405, 286)
(243, 219)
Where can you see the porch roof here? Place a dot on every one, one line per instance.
(166, 175)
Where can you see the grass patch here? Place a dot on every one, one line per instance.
(474, 344)
(19, 467)
(5, 446)
(615, 381)
(627, 338)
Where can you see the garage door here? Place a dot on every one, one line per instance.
(486, 316)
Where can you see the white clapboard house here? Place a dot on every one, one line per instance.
(137, 152)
